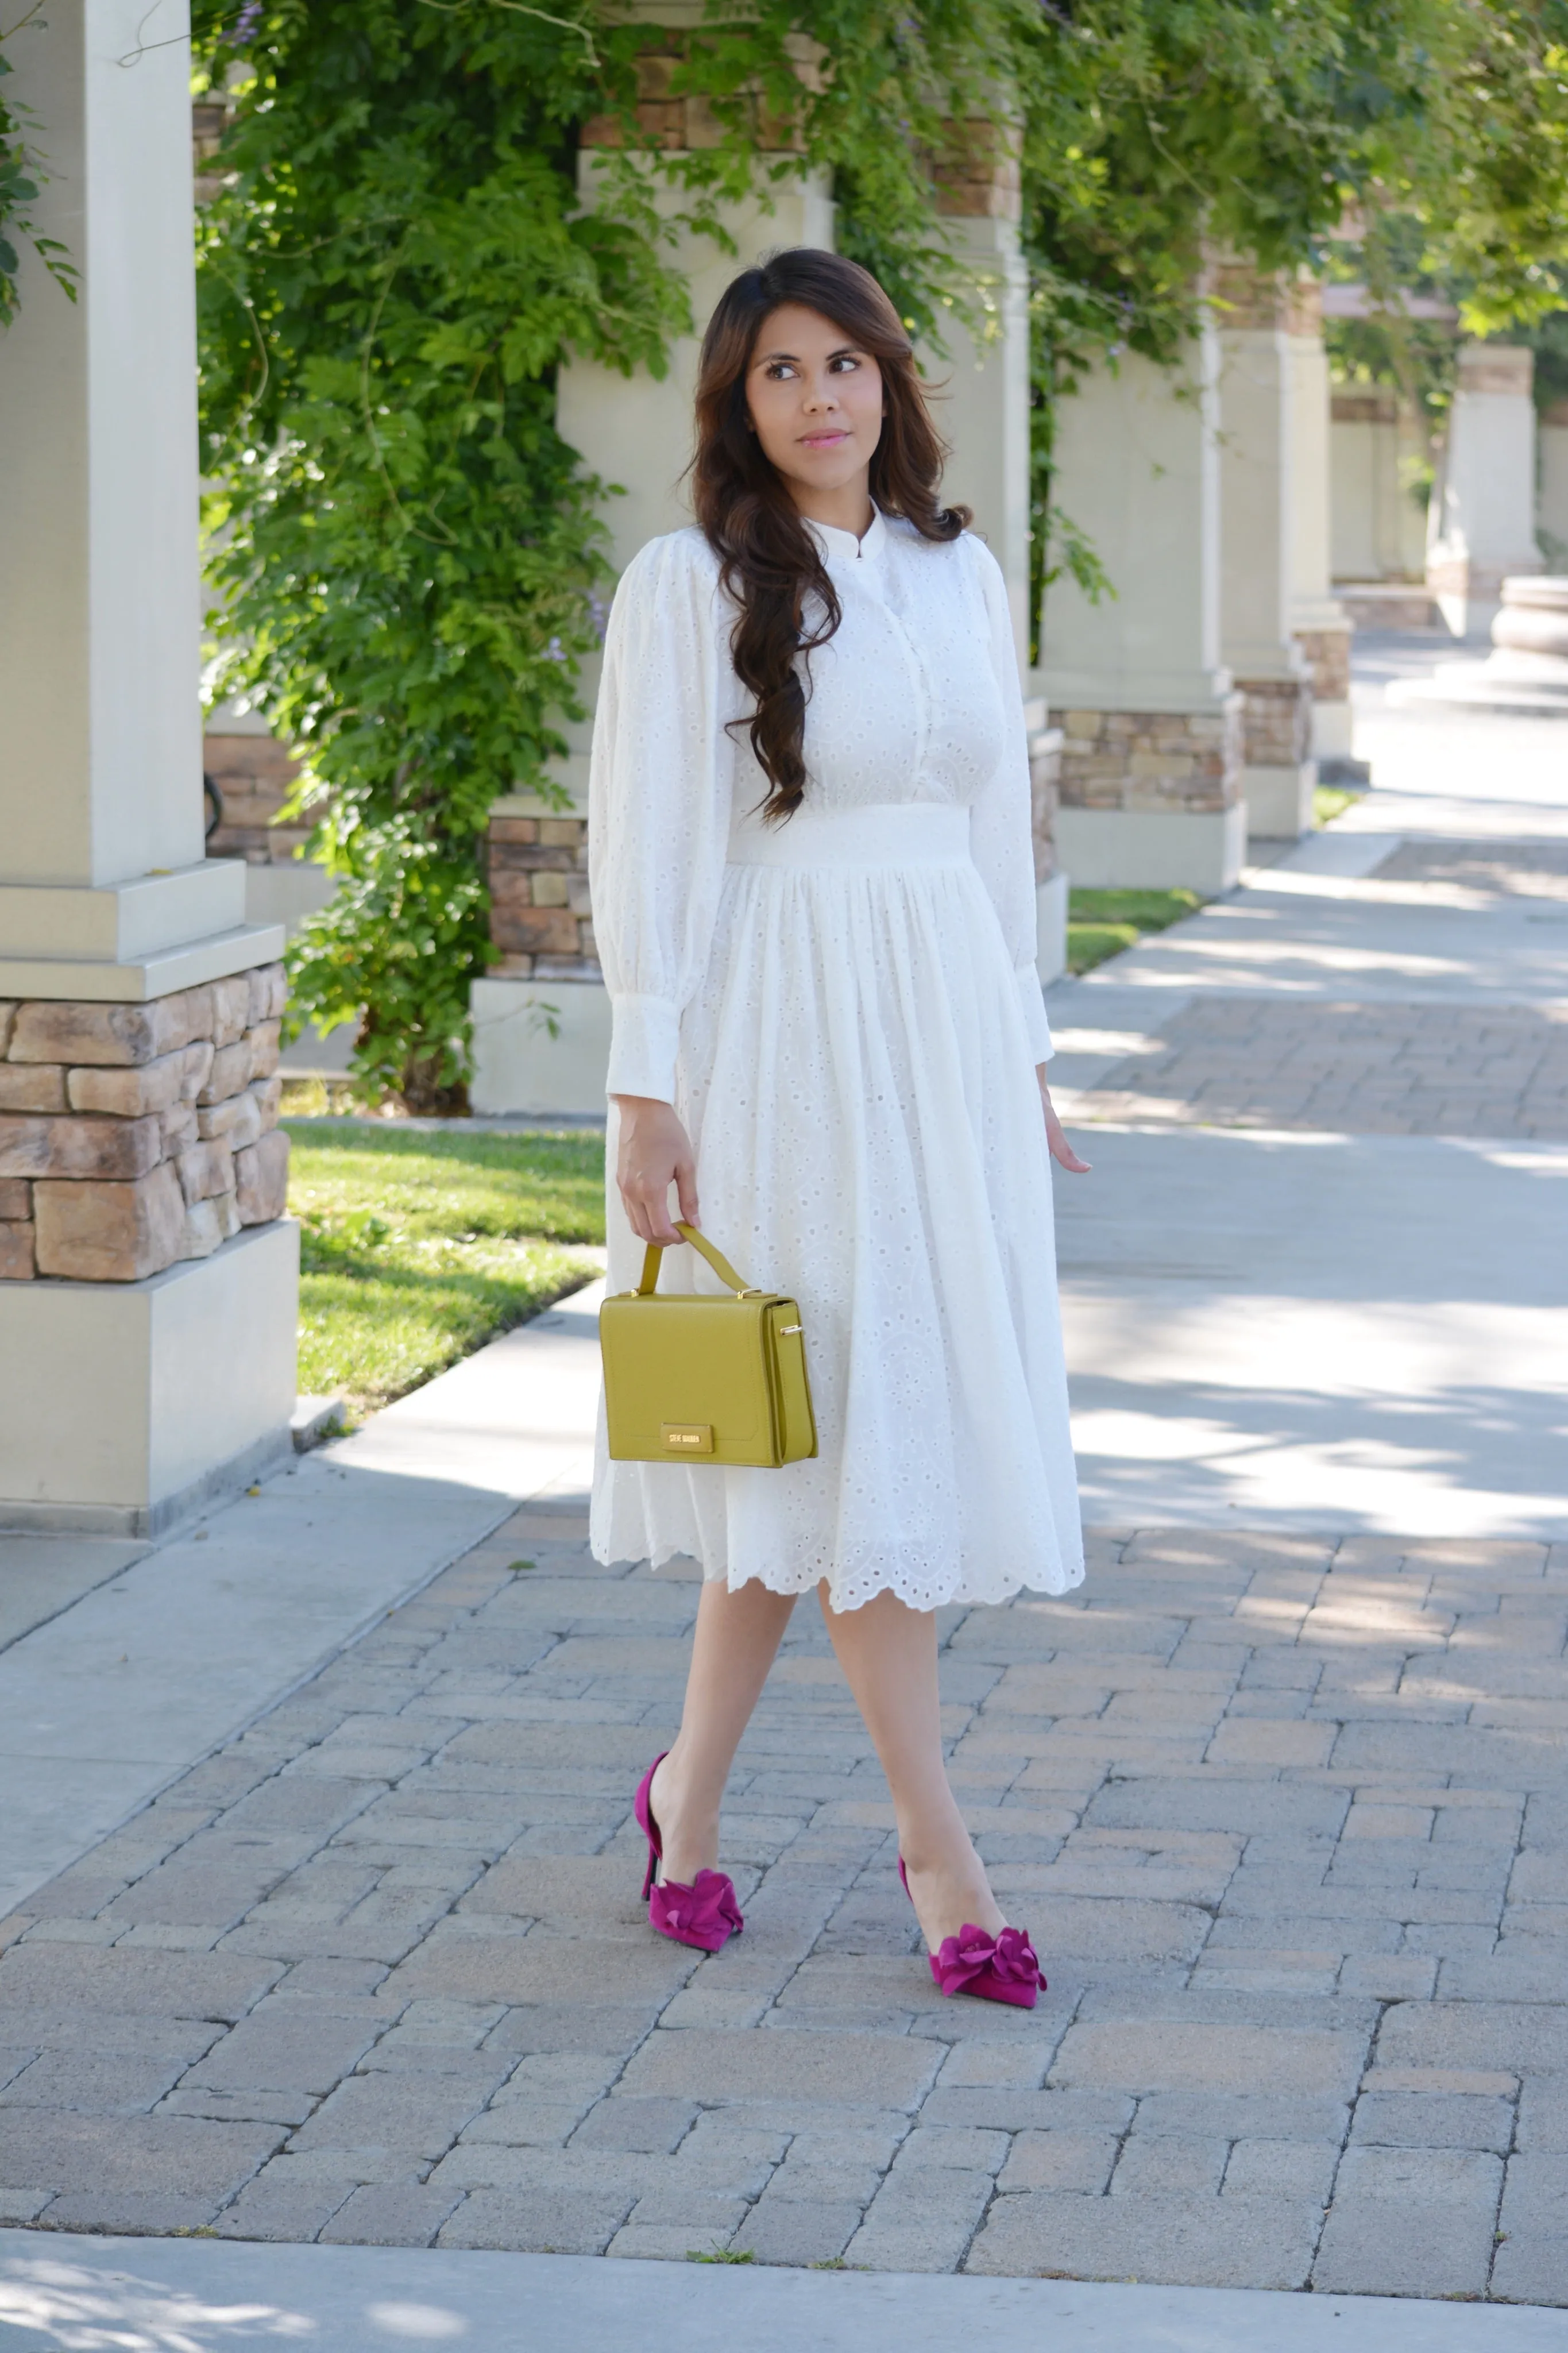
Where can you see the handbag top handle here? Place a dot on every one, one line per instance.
(716, 1260)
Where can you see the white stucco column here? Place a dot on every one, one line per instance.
(1258, 519)
(541, 1025)
(982, 407)
(1552, 506)
(1319, 623)
(1379, 533)
(101, 805)
(635, 431)
(1151, 783)
(146, 1342)
(981, 385)
(1482, 521)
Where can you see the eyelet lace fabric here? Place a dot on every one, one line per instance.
(846, 1014)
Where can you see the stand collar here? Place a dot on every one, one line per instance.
(842, 546)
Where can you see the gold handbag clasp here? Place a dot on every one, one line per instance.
(687, 1437)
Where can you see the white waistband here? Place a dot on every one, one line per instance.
(889, 833)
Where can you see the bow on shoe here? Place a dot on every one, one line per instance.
(705, 1913)
(1009, 1958)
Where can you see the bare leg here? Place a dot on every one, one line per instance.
(737, 1639)
(888, 1653)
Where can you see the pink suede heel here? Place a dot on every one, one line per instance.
(995, 1969)
(705, 1913)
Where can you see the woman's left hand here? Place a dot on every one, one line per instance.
(1061, 1150)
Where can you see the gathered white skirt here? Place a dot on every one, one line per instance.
(855, 1077)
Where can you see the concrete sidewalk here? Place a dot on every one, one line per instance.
(1318, 1278)
(204, 2298)
(1319, 1331)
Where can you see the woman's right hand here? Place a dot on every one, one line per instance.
(654, 1152)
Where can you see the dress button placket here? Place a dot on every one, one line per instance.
(917, 685)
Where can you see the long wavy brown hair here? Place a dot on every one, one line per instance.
(771, 564)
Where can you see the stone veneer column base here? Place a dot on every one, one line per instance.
(149, 1285)
(1278, 772)
(253, 774)
(541, 1014)
(1151, 800)
(1279, 801)
(541, 920)
(1326, 650)
(125, 1406)
(134, 1136)
(1327, 654)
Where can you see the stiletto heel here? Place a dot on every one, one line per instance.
(706, 1913)
(995, 1969)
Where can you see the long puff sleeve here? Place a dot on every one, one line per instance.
(658, 802)
(1000, 836)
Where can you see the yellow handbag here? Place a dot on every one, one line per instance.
(691, 1378)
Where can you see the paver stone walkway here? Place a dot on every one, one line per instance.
(1289, 1819)
(1286, 1811)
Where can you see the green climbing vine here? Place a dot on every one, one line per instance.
(408, 561)
(21, 177)
(1400, 142)
(407, 557)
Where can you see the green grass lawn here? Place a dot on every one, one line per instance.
(417, 1247)
(1330, 801)
(1100, 923)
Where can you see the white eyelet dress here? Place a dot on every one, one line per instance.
(845, 1012)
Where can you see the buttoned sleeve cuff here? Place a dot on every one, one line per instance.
(1034, 1009)
(645, 1034)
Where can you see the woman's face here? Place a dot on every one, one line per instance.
(815, 400)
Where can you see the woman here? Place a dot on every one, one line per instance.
(814, 898)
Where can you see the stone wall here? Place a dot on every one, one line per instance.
(1276, 721)
(1364, 404)
(540, 916)
(1242, 296)
(135, 1136)
(254, 775)
(209, 119)
(1178, 761)
(1046, 791)
(978, 171)
(1327, 654)
(678, 122)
